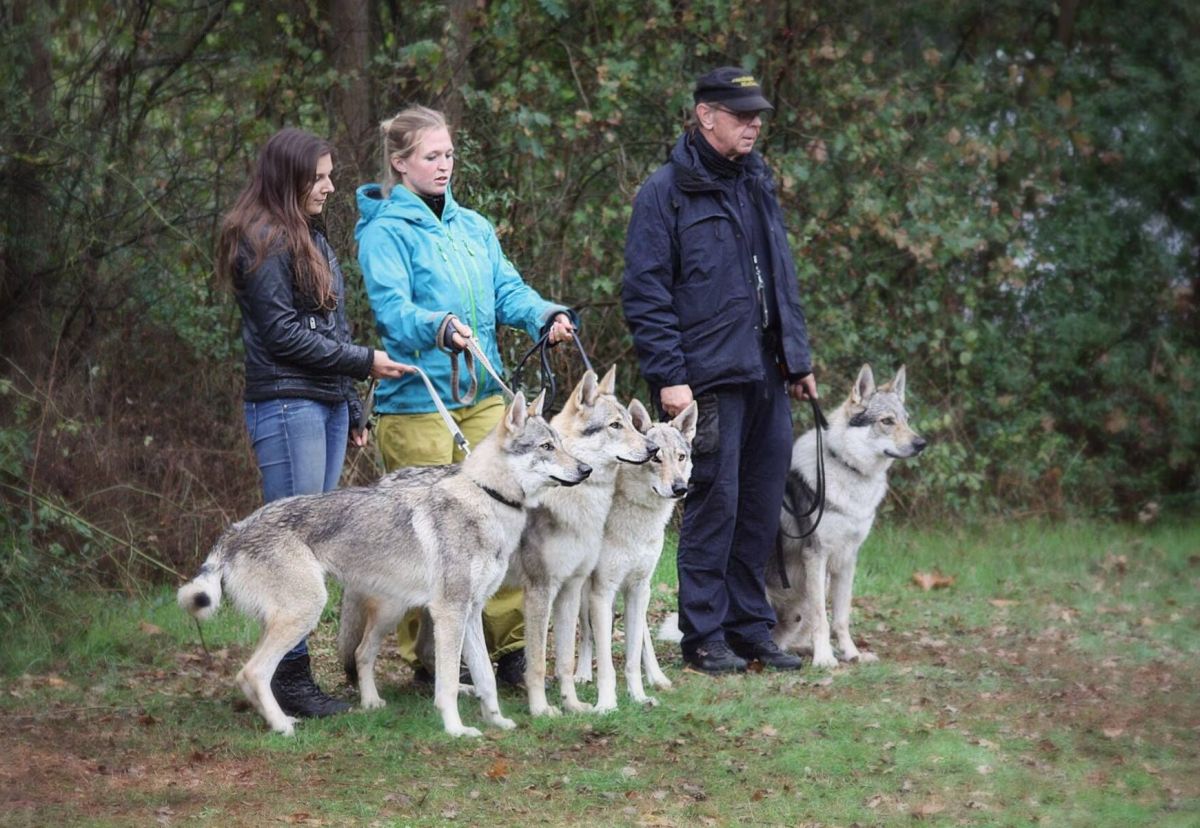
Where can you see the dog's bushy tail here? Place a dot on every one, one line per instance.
(202, 595)
(351, 627)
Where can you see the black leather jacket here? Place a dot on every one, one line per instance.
(293, 347)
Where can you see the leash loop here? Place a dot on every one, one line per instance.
(818, 505)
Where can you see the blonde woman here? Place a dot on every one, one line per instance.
(436, 276)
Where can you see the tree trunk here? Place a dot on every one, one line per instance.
(354, 126)
(28, 244)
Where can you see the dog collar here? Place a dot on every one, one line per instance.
(495, 495)
(850, 466)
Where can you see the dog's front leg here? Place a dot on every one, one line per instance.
(841, 592)
(566, 614)
(637, 601)
(475, 653)
(448, 630)
(813, 612)
(537, 629)
(600, 611)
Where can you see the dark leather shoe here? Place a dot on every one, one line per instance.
(768, 654)
(298, 694)
(715, 658)
(510, 669)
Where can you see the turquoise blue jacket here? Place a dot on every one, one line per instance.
(418, 271)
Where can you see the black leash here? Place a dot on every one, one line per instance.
(542, 349)
(818, 504)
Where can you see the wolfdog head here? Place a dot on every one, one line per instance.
(667, 474)
(533, 451)
(596, 428)
(875, 420)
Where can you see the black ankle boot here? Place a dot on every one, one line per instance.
(299, 695)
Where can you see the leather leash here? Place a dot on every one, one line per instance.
(818, 505)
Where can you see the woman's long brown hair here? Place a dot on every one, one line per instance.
(269, 216)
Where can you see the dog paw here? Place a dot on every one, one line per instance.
(646, 701)
(287, 728)
(867, 657)
(502, 723)
(372, 704)
(463, 730)
(548, 710)
(577, 706)
(661, 682)
(602, 708)
(825, 661)
(583, 677)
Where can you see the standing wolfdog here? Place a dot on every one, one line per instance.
(562, 541)
(445, 546)
(643, 502)
(866, 433)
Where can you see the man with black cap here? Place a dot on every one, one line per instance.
(711, 298)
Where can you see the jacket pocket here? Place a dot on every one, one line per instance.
(711, 275)
(708, 424)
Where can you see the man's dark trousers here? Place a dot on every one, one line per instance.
(732, 512)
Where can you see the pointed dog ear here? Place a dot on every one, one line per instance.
(898, 383)
(686, 421)
(514, 419)
(640, 416)
(538, 404)
(864, 386)
(608, 385)
(587, 389)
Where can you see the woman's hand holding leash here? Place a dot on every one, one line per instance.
(562, 329)
(384, 367)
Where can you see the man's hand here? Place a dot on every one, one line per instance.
(675, 398)
(804, 388)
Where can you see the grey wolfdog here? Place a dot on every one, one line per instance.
(643, 502)
(445, 546)
(866, 433)
(563, 539)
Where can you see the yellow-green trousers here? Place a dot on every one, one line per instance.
(423, 440)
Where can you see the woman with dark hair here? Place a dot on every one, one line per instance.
(300, 401)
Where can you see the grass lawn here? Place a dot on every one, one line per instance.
(1055, 681)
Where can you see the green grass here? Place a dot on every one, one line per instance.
(1054, 682)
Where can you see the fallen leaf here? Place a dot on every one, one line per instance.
(1003, 602)
(767, 730)
(932, 580)
(149, 629)
(1113, 732)
(498, 770)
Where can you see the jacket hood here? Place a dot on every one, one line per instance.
(401, 204)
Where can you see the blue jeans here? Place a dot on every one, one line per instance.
(300, 445)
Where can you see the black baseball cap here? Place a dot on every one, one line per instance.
(733, 88)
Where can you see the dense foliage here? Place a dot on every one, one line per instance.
(1002, 196)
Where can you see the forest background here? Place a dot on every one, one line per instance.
(1001, 195)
